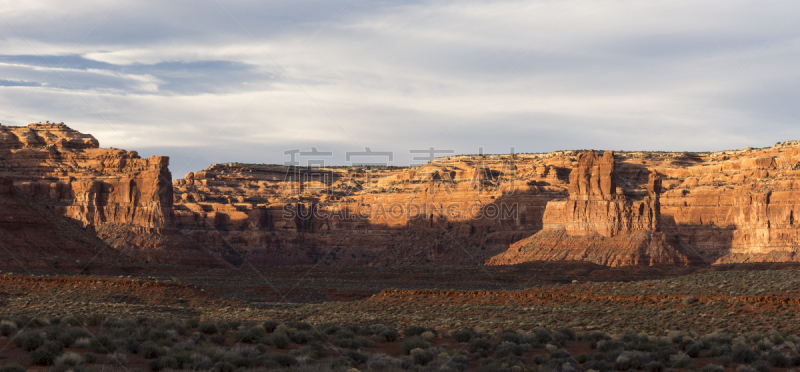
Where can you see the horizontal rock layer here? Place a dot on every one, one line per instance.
(67, 171)
(727, 206)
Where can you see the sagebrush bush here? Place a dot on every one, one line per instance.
(629, 360)
(8, 328)
(218, 339)
(224, 367)
(413, 343)
(198, 362)
(54, 347)
(744, 368)
(654, 366)
(83, 343)
(421, 356)
(283, 359)
(507, 348)
(270, 325)
(509, 335)
(712, 368)
(303, 337)
(610, 345)
(680, 361)
(208, 328)
(12, 368)
(479, 344)
(719, 350)
(347, 343)
(28, 340)
(694, 349)
(279, 340)
(70, 359)
(162, 363)
(300, 326)
(415, 330)
(198, 337)
(191, 323)
(150, 350)
(463, 334)
(95, 320)
(102, 344)
(42, 358)
(382, 362)
(388, 335)
(72, 321)
(742, 354)
(251, 335)
(89, 357)
(778, 360)
(355, 355)
(118, 358)
(596, 336)
(761, 366)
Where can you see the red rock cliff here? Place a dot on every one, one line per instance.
(458, 211)
(126, 199)
(598, 223)
(59, 166)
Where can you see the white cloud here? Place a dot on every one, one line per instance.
(613, 74)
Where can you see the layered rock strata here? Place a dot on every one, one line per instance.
(727, 206)
(61, 167)
(100, 189)
(457, 211)
(34, 238)
(597, 223)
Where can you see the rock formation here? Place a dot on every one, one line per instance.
(736, 206)
(101, 189)
(456, 210)
(66, 169)
(615, 209)
(35, 239)
(597, 223)
(596, 206)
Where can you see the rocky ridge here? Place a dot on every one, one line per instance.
(680, 208)
(728, 206)
(598, 223)
(106, 191)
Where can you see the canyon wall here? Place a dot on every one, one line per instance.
(35, 239)
(655, 208)
(598, 223)
(457, 211)
(108, 192)
(678, 208)
(596, 206)
(61, 167)
(736, 206)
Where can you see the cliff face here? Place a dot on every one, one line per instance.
(615, 209)
(736, 206)
(107, 190)
(597, 223)
(66, 169)
(596, 206)
(457, 211)
(34, 238)
(679, 208)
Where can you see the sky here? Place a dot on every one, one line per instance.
(216, 81)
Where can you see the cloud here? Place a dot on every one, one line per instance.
(245, 80)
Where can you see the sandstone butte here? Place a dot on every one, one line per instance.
(625, 208)
(108, 193)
